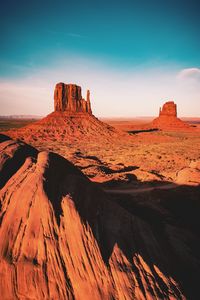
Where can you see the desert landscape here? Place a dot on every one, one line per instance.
(99, 150)
(96, 209)
(113, 151)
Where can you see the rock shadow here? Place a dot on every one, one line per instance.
(162, 226)
(142, 130)
(13, 157)
(108, 171)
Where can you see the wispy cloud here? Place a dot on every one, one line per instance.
(189, 73)
(65, 33)
(76, 35)
(114, 92)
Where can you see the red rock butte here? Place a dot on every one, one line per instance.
(168, 118)
(168, 109)
(72, 119)
(68, 97)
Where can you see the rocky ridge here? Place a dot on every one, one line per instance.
(59, 229)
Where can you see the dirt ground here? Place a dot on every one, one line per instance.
(138, 156)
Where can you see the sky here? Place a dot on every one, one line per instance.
(133, 55)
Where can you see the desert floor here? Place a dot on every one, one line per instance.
(138, 158)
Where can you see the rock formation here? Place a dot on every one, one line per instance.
(68, 97)
(62, 237)
(168, 109)
(71, 120)
(168, 118)
(189, 175)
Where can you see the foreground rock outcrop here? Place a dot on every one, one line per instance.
(61, 237)
(189, 175)
(68, 97)
(168, 118)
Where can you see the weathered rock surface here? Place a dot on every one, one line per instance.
(168, 109)
(12, 156)
(61, 237)
(68, 97)
(189, 175)
(168, 118)
(195, 164)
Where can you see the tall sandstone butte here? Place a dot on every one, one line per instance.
(68, 97)
(71, 119)
(168, 118)
(169, 109)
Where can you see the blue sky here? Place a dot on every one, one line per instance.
(96, 42)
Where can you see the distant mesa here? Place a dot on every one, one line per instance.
(168, 118)
(68, 97)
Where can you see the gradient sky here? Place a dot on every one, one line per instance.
(132, 55)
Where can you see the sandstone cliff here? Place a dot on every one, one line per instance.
(68, 97)
(61, 237)
(169, 109)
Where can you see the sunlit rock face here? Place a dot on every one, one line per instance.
(168, 109)
(168, 118)
(68, 97)
(62, 237)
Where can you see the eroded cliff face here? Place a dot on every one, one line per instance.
(62, 237)
(68, 97)
(168, 118)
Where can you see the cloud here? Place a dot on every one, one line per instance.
(114, 91)
(66, 34)
(189, 73)
(75, 35)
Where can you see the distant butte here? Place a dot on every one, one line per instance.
(168, 118)
(169, 109)
(68, 97)
(71, 119)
